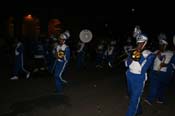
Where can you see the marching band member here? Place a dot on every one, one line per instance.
(160, 74)
(85, 36)
(100, 54)
(138, 62)
(19, 61)
(128, 47)
(62, 58)
(173, 61)
(110, 53)
(39, 55)
(80, 54)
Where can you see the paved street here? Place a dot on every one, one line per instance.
(90, 92)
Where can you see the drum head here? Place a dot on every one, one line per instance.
(85, 35)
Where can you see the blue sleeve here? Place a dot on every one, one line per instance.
(173, 59)
(148, 63)
(67, 54)
(172, 62)
(152, 64)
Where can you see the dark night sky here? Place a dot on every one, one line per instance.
(158, 16)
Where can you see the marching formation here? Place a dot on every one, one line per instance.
(142, 63)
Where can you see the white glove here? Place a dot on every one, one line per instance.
(16, 53)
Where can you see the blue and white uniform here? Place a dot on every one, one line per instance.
(80, 55)
(161, 72)
(19, 62)
(160, 77)
(110, 54)
(136, 77)
(127, 48)
(61, 63)
(39, 54)
(100, 54)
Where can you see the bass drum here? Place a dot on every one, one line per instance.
(85, 35)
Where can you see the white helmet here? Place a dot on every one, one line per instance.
(162, 39)
(141, 38)
(162, 36)
(163, 42)
(65, 35)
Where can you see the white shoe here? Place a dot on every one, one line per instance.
(42, 68)
(14, 78)
(148, 102)
(28, 75)
(159, 102)
(109, 64)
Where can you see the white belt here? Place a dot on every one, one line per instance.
(135, 71)
(60, 60)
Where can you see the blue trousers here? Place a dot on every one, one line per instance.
(80, 60)
(158, 84)
(59, 69)
(19, 66)
(99, 58)
(136, 83)
(50, 62)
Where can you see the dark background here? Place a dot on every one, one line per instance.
(157, 16)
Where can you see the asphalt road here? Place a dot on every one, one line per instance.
(90, 92)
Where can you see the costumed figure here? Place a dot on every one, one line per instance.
(62, 54)
(110, 53)
(19, 62)
(39, 55)
(161, 72)
(85, 37)
(100, 54)
(138, 62)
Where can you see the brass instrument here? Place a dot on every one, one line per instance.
(135, 55)
(60, 54)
